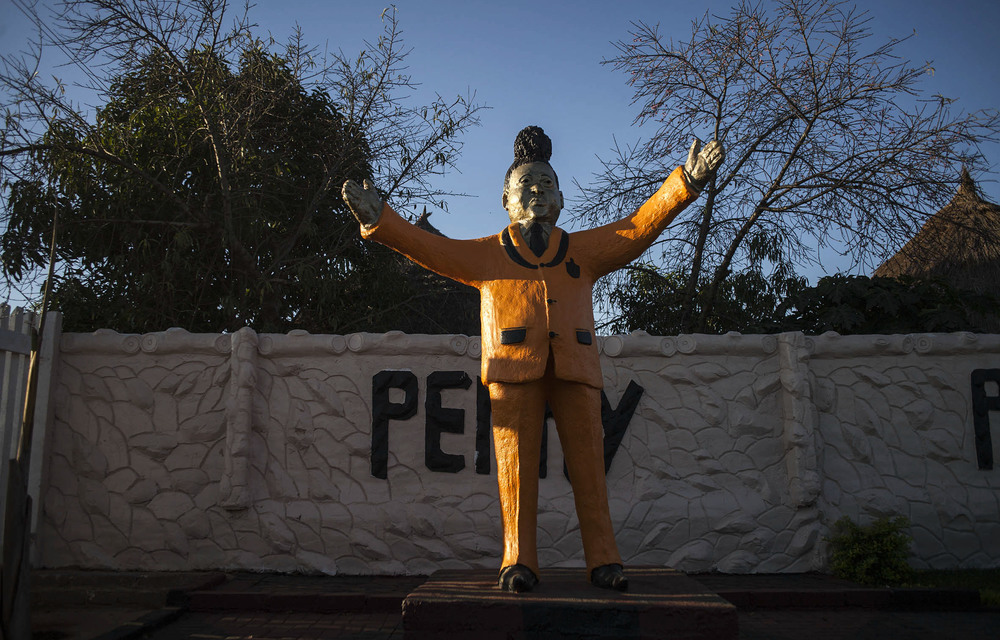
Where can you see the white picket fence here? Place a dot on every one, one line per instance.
(15, 349)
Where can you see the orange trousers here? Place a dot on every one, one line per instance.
(518, 414)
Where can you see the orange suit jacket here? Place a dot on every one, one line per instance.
(531, 305)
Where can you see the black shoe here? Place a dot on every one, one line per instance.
(609, 576)
(517, 578)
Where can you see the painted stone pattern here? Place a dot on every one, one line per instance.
(178, 451)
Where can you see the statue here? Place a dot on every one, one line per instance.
(538, 342)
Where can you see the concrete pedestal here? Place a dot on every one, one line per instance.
(660, 603)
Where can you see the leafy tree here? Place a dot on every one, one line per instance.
(825, 144)
(652, 301)
(205, 191)
(861, 305)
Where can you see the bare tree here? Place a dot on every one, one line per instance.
(828, 140)
(204, 190)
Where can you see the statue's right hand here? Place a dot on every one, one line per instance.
(703, 162)
(364, 202)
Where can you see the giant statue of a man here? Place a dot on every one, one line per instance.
(538, 342)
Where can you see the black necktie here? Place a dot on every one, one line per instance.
(536, 242)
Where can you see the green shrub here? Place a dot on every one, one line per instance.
(862, 305)
(874, 554)
(985, 581)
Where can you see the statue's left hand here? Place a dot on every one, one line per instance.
(702, 162)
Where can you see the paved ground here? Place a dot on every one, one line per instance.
(215, 606)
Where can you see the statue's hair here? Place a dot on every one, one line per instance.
(531, 145)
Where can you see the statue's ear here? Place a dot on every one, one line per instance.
(503, 199)
(562, 202)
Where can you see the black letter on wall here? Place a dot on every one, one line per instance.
(982, 404)
(383, 410)
(616, 421)
(441, 419)
(543, 454)
(484, 432)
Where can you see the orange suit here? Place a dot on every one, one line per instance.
(538, 345)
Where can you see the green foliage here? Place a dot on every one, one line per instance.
(655, 302)
(749, 302)
(874, 554)
(204, 193)
(986, 581)
(990, 597)
(862, 305)
(165, 225)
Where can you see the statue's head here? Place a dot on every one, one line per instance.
(531, 188)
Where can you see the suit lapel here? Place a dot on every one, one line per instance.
(518, 251)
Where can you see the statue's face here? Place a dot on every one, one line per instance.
(532, 194)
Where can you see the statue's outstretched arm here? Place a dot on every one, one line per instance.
(618, 243)
(459, 260)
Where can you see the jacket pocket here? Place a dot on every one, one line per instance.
(583, 337)
(513, 336)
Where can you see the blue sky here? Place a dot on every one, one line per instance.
(539, 63)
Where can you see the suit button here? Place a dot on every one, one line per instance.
(552, 334)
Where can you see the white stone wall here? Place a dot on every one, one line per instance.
(896, 437)
(177, 451)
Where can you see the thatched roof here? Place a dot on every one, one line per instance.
(960, 244)
(424, 222)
